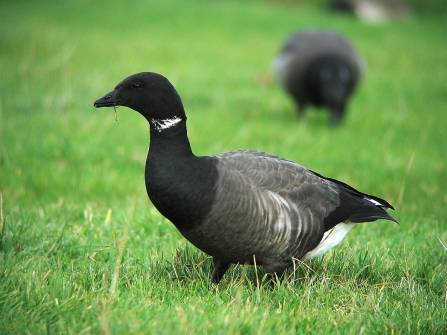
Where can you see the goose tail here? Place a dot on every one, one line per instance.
(373, 209)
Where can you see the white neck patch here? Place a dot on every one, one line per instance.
(163, 124)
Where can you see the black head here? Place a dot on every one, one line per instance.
(332, 79)
(148, 93)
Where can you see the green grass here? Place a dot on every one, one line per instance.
(82, 250)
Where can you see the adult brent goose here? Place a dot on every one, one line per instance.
(240, 206)
(320, 68)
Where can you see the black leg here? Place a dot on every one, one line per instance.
(275, 276)
(219, 270)
(302, 113)
(336, 115)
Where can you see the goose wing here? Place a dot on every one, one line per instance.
(327, 198)
(277, 207)
(274, 208)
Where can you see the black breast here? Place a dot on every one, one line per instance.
(182, 189)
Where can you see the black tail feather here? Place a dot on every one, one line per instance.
(356, 206)
(371, 212)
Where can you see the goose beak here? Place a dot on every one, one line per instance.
(108, 100)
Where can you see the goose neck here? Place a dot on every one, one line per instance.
(169, 137)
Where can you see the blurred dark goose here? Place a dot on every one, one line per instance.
(319, 68)
(239, 206)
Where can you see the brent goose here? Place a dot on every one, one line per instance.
(320, 68)
(243, 205)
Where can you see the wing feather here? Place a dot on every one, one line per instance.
(275, 208)
(278, 202)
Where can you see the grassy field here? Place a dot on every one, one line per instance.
(83, 251)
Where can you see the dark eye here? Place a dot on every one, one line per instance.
(135, 85)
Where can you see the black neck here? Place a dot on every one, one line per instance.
(170, 142)
(179, 184)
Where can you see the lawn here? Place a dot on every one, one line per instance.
(82, 249)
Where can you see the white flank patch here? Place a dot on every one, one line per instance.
(330, 239)
(163, 124)
(281, 64)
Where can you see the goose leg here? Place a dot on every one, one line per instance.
(301, 108)
(275, 276)
(336, 115)
(219, 270)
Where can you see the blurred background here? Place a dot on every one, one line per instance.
(69, 172)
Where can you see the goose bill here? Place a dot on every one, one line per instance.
(108, 100)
